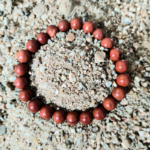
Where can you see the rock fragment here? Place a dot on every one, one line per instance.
(70, 37)
(100, 57)
(125, 143)
(126, 21)
(89, 39)
(142, 26)
(2, 129)
(71, 77)
(65, 7)
(39, 10)
(146, 44)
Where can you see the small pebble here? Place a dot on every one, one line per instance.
(95, 129)
(3, 130)
(39, 10)
(89, 39)
(100, 57)
(148, 99)
(71, 77)
(70, 37)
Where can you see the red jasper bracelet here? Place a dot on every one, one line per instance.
(59, 116)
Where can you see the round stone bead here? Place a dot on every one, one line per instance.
(121, 66)
(99, 113)
(64, 26)
(115, 54)
(21, 82)
(123, 79)
(119, 93)
(76, 23)
(46, 112)
(59, 116)
(109, 103)
(99, 34)
(21, 69)
(23, 56)
(25, 95)
(88, 27)
(86, 117)
(33, 46)
(34, 105)
(107, 42)
(72, 118)
(42, 38)
(52, 30)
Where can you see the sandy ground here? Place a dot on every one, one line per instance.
(128, 126)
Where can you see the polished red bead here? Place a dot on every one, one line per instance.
(107, 42)
(88, 27)
(76, 23)
(46, 112)
(123, 79)
(119, 93)
(21, 69)
(121, 66)
(34, 105)
(99, 113)
(59, 116)
(64, 26)
(115, 54)
(21, 82)
(42, 38)
(72, 118)
(23, 56)
(33, 46)
(99, 34)
(25, 95)
(86, 117)
(109, 103)
(52, 30)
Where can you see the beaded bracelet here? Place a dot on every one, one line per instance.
(59, 116)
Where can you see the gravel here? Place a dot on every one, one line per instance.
(2, 130)
(38, 7)
(127, 22)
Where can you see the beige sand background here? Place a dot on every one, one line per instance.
(128, 126)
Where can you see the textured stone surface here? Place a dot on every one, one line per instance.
(2, 129)
(39, 10)
(100, 57)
